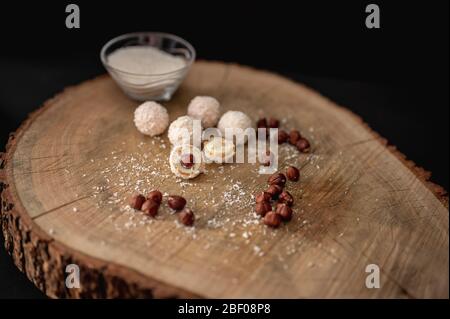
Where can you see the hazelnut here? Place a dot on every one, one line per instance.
(186, 217)
(282, 136)
(294, 136)
(284, 211)
(263, 197)
(136, 201)
(292, 173)
(176, 202)
(273, 123)
(272, 219)
(150, 207)
(155, 196)
(187, 160)
(286, 198)
(303, 145)
(277, 178)
(262, 123)
(263, 207)
(274, 190)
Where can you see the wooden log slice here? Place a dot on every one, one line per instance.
(69, 170)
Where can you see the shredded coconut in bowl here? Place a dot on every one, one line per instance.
(145, 60)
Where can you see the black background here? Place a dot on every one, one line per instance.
(395, 77)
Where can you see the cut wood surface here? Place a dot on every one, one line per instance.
(70, 168)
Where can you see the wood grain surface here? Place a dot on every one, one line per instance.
(70, 168)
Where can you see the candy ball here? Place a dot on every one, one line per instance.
(234, 120)
(181, 131)
(206, 109)
(151, 118)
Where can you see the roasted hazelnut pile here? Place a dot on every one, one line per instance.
(277, 196)
(150, 205)
(293, 137)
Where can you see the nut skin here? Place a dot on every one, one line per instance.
(263, 207)
(286, 198)
(283, 136)
(187, 161)
(273, 123)
(303, 145)
(150, 207)
(272, 219)
(284, 211)
(136, 201)
(186, 217)
(155, 196)
(263, 197)
(294, 137)
(292, 173)
(274, 190)
(176, 202)
(277, 178)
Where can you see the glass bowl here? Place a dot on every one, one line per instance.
(146, 87)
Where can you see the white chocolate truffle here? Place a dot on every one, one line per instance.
(234, 120)
(181, 131)
(206, 109)
(151, 118)
(218, 150)
(186, 161)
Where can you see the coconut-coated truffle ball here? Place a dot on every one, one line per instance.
(234, 120)
(206, 109)
(181, 130)
(151, 118)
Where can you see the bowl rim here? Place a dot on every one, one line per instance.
(160, 34)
